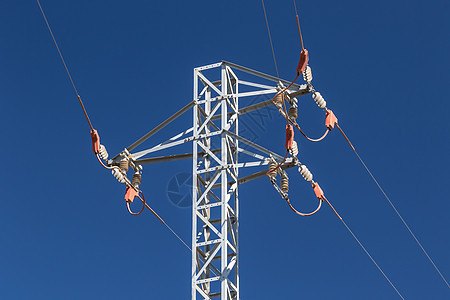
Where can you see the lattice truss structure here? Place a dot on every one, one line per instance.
(219, 152)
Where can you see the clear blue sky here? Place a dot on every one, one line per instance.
(383, 67)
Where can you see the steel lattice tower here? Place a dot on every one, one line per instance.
(217, 157)
(216, 140)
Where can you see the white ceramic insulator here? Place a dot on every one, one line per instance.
(103, 153)
(319, 100)
(294, 149)
(284, 184)
(278, 100)
(305, 173)
(272, 171)
(307, 74)
(119, 176)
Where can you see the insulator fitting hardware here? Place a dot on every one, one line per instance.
(284, 184)
(102, 152)
(307, 74)
(278, 100)
(272, 170)
(294, 149)
(330, 120)
(319, 100)
(123, 164)
(136, 179)
(318, 191)
(304, 58)
(119, 176)
(304, 171)
(293, 113)
(130, 194)
(289, 136)
(95, 141)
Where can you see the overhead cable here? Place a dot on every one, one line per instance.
(100, 150)
(393, 207)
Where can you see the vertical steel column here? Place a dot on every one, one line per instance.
(194, 187)
(224, 198)
(215, 219)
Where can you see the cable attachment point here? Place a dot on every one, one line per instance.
(130, 194)
(330, 120)
(318, 191)
(289, 137)
(95, 141)
(304, 58)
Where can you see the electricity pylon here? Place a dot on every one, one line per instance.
(215, 226)
(217, 158)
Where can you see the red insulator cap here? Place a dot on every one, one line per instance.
(95, 141)
(289, 136)
(130, 194)
(304, 58)
(318, 191)
(331, 120)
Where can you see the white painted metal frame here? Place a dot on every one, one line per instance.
(215, 225)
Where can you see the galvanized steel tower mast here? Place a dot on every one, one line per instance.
(215, 226)
(218, 154)
(215, 243)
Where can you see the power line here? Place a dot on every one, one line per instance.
(270, 38)
(57, 47)
(89, 121)
(371, 258)
(401, 218)
(65, 66)
(362, 246)
(393, 206)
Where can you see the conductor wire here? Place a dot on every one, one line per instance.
(143, 206)
(298, 25)
(90, 125)
(270, 39)
(146, 205)
(393, 207)
(375, 263)
(65, 65)
(304, 214)
(362, 246)
(308, 138)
